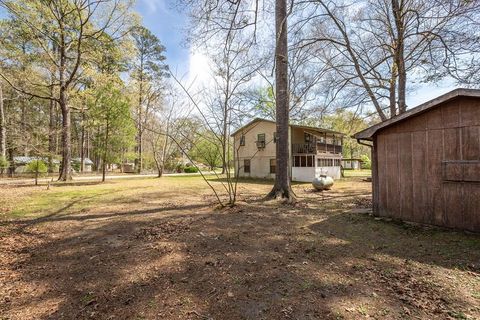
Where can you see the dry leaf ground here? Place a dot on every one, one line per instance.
(160, 249)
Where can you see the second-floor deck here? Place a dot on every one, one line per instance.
(315, 148)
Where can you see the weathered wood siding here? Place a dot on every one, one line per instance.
(428, 167)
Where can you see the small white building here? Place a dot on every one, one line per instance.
(20, 163)
(353, 164)
(313, 151)
(87, 164)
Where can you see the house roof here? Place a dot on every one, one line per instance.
(368, 133)
(291, 125)
(26, 159)
(87, 161)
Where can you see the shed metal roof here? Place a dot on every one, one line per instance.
(368, 133)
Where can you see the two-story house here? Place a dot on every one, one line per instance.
(313, 151)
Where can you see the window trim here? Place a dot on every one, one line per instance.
(304, 161)
(274, 166)
(246, 167)
(242, 140)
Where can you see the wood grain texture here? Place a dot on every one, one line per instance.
(428, 167)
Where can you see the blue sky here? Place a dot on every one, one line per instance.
(167, 23)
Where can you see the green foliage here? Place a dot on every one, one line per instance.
(37, 166)
(109, 114)
(76, 166)
(207, 150)
(366, 162)
(348, 123)
(179, 168)
(4, 164)
(150, 56)
(190, 169)
(265, 105)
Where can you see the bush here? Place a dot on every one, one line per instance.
(190, 170)
(76, 166)
(366, 163)
(4, 164)
(37, 166)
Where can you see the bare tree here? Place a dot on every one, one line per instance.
(375, 44)
(233, 66)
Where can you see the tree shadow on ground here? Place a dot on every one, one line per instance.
(427, 245)
(253, 262)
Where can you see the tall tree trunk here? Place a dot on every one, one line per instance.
(393, 91)
(51, 135)
(402, 82)
(400, 55)
(140, 152)
(3, 129)
(282, 187)
(105, 152)
(139, 117)
(82, 145)
(66, 172)
(224, 140)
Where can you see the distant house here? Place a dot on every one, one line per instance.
(128, 167)
(20, 163)
(87, 164)
(314, 151)
(353, 164)
(426, 162)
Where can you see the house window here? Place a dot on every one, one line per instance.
(275, 137)
(310, 161)
(273, 165)
(261, 140)
(328, 162)
(246, 166)
(242, 140)
(303, 161)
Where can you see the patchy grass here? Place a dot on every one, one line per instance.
(160, 249)
(358, 173)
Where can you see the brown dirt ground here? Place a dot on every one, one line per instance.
(158, 250)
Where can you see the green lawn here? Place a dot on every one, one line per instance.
(358, 173)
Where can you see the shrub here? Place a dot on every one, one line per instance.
(76, 166)
(366, 163)
(37, 166)
(4, 164)
(190, 169)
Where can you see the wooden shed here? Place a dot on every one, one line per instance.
(426, 162)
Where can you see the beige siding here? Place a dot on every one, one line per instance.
(259, 158)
